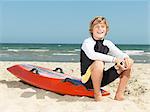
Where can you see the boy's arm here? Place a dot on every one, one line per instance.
(115, 51)
(88, 48)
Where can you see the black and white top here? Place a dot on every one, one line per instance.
(103, 50)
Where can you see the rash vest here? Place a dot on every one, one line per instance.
(103, 50)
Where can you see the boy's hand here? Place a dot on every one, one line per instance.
(128, 62)
(118, 62)
(120, 65)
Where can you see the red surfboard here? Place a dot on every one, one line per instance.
(51, 80)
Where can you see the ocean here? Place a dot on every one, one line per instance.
(62, 52)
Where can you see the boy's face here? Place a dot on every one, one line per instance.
(99, 31)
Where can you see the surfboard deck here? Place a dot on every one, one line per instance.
(48, 79)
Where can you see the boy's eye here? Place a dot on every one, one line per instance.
(102, 26)
(97, 27)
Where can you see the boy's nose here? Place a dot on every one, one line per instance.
(100, 29)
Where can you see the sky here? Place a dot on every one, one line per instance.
(67, 21)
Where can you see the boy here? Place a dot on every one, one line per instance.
(94, 54)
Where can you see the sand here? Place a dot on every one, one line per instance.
(16, 96)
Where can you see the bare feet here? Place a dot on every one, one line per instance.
(119, 97)
(98, 96)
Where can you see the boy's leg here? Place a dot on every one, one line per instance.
(96, 75)
(124, 77)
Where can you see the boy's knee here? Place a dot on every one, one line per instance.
(128, 72)
(98, 65)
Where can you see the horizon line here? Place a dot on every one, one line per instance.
(67, 43)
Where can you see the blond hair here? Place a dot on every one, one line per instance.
(98, 20)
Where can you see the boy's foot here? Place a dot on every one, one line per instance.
(119, 97)
(98, 96)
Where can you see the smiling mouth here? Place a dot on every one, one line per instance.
(100, 32)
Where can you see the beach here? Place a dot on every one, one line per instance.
(16, 96)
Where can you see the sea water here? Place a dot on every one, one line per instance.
(62, 52)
